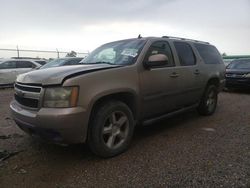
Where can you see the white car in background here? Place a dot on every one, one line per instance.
(10, 68)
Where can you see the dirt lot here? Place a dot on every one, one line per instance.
(184, 151)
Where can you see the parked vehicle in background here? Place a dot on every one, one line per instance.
(10, 68)
(238, 74)
(118, 86)
(38, 60)
(41, 62)
(62, 62)
(227, 61)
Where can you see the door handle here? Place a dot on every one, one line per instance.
(174, 75)
(196, 72)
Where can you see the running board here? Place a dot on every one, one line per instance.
(153, 120)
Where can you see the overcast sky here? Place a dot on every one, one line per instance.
(84, 25)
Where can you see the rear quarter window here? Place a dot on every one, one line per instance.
(209, 54)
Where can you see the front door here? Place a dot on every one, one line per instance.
(159, 86)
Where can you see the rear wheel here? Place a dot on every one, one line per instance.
(208, 102)
(111, 129)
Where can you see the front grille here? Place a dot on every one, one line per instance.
(27, 95)
(235, 75)
(28, 88)
(32, 103)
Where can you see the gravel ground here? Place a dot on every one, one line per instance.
(185, 151)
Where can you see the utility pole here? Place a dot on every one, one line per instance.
(17, 51)
(58, 55)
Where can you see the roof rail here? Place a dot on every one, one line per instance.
(179, 38)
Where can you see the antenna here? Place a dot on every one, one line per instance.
(139, 36)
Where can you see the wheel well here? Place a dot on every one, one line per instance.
(128, 98)
(214, 81)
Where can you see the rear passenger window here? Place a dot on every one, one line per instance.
(209, 54)
(24, 64)
(8, 65)
(161, 47)
(185, 53)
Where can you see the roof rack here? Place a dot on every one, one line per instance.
(179, 38)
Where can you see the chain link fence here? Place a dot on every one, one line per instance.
(41, 54)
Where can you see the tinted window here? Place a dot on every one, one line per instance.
(185, 53)
(24, 64)
(209, 54)
(161, 47)
(8, 65)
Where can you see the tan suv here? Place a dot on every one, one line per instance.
(119, 85)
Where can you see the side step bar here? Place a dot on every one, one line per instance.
(168, 115)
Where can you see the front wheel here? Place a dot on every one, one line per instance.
(111, 129)
(208, 101)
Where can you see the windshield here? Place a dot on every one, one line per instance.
(117, 53)
(41, 62)
(62, 62)
(54, 63)
(239, 64)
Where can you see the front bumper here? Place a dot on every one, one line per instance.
(238, 83)
(61, 125)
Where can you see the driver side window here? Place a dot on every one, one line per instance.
(161, 47)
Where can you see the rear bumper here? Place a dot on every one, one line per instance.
(61, 125)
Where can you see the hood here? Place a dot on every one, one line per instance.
(57, 75)
(239, 71)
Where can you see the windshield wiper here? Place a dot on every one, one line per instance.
(99, 62)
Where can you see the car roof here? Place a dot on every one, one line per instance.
(166, 37)
(241, 59)
(17, 59)
(71, 58)
(30, 60)
(39, 60)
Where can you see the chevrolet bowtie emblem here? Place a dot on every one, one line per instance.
(20, 93)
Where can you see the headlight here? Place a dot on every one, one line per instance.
(60, 97)
(247, 75)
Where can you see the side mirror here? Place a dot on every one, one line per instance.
(157, 60)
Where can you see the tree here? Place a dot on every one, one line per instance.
(224, 54)
(71, 54)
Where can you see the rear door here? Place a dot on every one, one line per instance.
(7, 72)
(190, 74)
(159, 86)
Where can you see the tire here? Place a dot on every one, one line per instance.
(208, 101)
(111, 129)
